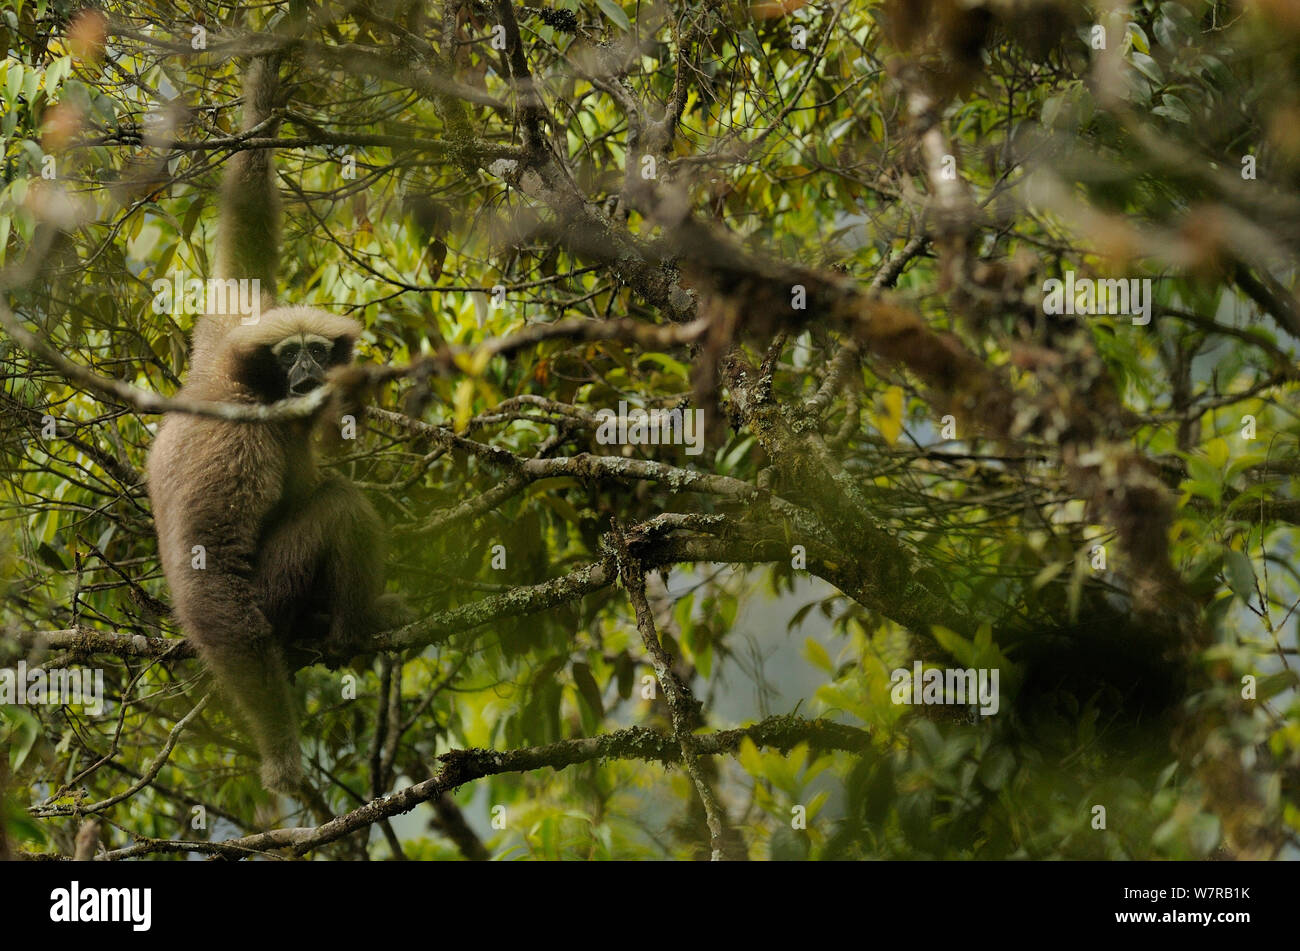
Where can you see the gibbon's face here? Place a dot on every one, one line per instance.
(303, 359)
(287, 353)
(291, 366)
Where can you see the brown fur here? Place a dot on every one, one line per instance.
(248, 244)
(292, 555)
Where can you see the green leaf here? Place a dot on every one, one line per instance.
(890, 418)
(625, 669)
(997, 767)
(191, 219)
(733, 458)
(587, 689)
(13, 84)
(23, 731)
(615, 13)
(1139, 38)
(1050, 110)
(750, 758)
(31, 83)
(1172, 107)
(1044, 577)
(670, 364)
(57, 72)
(704, 660)
(1273, 684)
(1149, 68)
(1241, 574)
(956, 645)
(1206, 478)
(817, 655)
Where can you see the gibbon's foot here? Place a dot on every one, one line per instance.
(392, 611)
(344, 644)
(341, 647)
(302, 654)
(283, 773)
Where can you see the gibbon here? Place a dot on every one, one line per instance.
(260, 549)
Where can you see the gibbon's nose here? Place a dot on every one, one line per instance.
(305, 375)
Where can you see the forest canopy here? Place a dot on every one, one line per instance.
(735, 373)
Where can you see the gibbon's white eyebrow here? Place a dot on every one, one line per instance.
(304, 339)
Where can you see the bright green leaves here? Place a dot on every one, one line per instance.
(615, 13)
(1240, 574)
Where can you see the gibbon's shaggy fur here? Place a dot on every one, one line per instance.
(288, 554)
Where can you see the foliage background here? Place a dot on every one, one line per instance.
(774, 165)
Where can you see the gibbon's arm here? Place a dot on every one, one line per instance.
(248, 215)
(248, 235)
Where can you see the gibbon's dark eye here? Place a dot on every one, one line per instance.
(288, 355)
(319, 352)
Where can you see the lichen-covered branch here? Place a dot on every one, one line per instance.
(459, 767)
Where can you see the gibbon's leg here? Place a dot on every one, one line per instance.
(211, 485)
(324, 558)
(236, 643)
